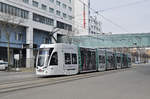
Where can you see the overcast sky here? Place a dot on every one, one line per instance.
(134, 18)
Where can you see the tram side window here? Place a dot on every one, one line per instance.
(129, 60)
(112, 59)
(67, 58)
(118, 59)
(54, 59)
(109, 59)
(101, 59)
(74, 58)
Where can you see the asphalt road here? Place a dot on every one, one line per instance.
(130, 84)
(14, 76)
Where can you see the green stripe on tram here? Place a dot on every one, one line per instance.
(79, 57)
(97, 59)
(115, 60)
(121, 60)
(106, 58)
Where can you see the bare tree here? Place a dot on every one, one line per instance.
(8, 21)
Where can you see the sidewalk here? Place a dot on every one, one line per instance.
(24, 70)
(19, 70)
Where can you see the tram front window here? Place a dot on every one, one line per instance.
(43, 56)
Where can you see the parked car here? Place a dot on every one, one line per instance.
(137, 62)
(3, 65)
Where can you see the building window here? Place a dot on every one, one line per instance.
(64, 26)
(35, 4)
(26, 1)
(5, 8)
(64, 15)
(64, 6)
(70, 9)
(58, 3)
(18, 36)
(51, 10)
(70, 1)
(46, 40)
(42, 19)
(70, 17)
(44, 7)
(58, 13)
(52, 1)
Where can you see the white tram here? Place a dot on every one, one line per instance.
(67, 59)
(57, 59)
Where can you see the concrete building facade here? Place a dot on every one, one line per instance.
(85, 22)
(81, 17)
(39, 18)
(94, 25)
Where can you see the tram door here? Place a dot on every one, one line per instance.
(118, 60)
(124, 61)
(102, 60)
(88, 59)
(114, 65)
(110, 65)
(129, 61)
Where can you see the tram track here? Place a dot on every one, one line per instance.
(17, 81)
(40, 82)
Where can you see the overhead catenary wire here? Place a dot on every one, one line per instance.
(107, 19)
(114, 23)
(124, 5)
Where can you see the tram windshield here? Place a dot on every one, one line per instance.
(43, 57)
